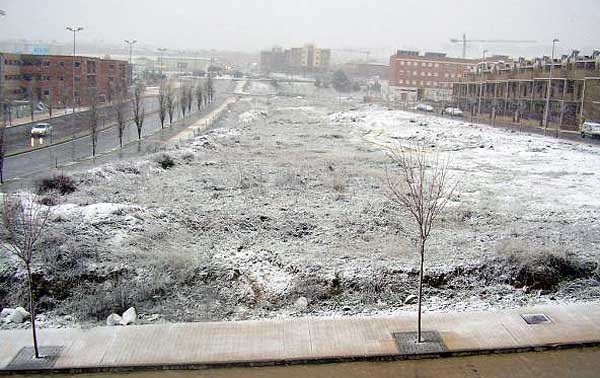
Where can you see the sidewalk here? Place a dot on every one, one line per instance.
(203, 123)
(304, 340)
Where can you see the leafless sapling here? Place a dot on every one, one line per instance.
(183, 99)
(138, 108)
(93, 118)
(210, 89)
(121, 117)
(189, 97)
(199, 96)
(162, 103)
(418, 182)
(2, 144)
(25, 220)
(171, 102)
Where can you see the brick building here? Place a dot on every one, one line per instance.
(516, 92)
(430, 74)
(49, 79)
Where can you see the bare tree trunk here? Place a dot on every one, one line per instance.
(32, 312)
(422, 255)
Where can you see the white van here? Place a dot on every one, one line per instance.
(590, 128)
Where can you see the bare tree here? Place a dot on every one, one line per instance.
(418, 182)
(210, 89)
(171, 102)
(2, 144)
(189, 97)
(120, 115)
(199, 96)
(24, 222)
(92, 99)
(162, 103)
(138, 108)
(183, 99)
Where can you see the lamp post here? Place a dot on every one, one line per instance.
(547, 108)
(74, 30)
(481, 86)
(161, 51)
(131, 43)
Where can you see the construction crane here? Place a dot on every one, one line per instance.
(464, 42)
(365, 53)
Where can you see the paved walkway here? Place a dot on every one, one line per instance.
(203, 123)
(281, 341)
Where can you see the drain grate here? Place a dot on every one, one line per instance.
(24, 360)
(536, 318)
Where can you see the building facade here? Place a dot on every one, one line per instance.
(430, 74)
(49, 79)
(367, 70)
(298, 60)
(517, 92)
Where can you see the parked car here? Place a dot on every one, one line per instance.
(41, 130)
(424, 107)
(453, 112)
(590, 128)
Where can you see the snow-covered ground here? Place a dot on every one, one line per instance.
(285, 199)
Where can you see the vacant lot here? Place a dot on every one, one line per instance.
(284, 199)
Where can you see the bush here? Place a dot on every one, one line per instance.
(59, 183)
(165, 161)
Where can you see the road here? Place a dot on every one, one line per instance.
(62, 154)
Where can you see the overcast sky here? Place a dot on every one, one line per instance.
(251, 25)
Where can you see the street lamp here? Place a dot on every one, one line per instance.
(481, 86)
(547, 109)
(131, 43)
(161, 51)
(74, 30)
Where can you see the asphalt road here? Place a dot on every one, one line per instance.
(47, 159)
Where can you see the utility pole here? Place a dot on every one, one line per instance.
(547, 109)
(481, 87)
(74, 30)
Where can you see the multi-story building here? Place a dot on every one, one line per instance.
(517, 92)
(367, 70)
(49, 79)
(430, 74)
(306, 59)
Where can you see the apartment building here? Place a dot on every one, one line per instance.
(298, 60)
(430, 74)
(517, 92)
(49, 79)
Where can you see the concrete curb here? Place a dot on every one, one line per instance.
(303, 361)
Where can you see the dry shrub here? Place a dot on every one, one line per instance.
(165, 161)
(58, 183)
(339, 183)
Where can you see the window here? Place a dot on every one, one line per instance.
(77, 64)
(430, 64)
(61, 63)
(77, 78)
(437, 65)
(401, 62)
(422, 73)
(423, 64)
(415, 73)
(46, 92)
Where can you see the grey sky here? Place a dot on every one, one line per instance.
(251, 25)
